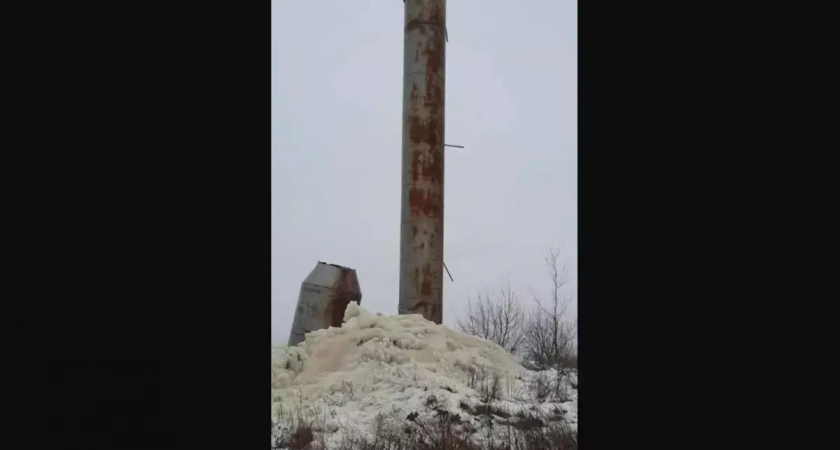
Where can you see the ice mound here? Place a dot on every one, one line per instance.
(376, 363)
(368, 346)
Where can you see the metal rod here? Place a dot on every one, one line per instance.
(450, 145)
(421, 231)
(447, 272)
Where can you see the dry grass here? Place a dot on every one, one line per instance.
(487, 383)
(295, 429)
(438, 429)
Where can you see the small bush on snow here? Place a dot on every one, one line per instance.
(487, 383)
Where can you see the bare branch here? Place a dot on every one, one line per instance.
(496, 315)
(543, 334)
(550, 336)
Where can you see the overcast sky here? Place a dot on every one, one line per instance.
(336, 101)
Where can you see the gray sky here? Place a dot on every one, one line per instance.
(336, 101)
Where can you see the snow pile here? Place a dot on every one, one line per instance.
(375, 364)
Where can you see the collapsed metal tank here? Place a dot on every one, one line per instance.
(324, 295)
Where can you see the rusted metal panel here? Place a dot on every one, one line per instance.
(421, 240)
(324, 295)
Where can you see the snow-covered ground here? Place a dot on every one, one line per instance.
(342, 378)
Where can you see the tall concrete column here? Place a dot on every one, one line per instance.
(421, 234)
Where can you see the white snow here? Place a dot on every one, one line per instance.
(376, 364)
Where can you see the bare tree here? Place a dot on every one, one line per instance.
(550, 337)
(497, 316)
(544, 335)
